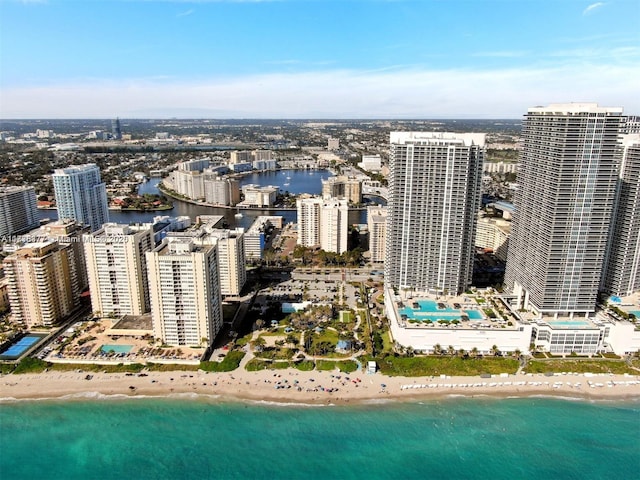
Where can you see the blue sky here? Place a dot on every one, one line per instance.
(314, 58)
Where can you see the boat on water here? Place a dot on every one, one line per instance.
(238, 214)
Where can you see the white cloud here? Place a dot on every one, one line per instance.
(592, 7)
(406, 93)
(186, 13)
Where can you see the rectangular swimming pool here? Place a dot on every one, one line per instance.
(428, 310)
(116, 348)
(568, 323)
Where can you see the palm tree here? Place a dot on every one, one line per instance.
(451, 350)
(495, 350)
(292, 340)
(259, 343)
(474, 352)
(437, 349)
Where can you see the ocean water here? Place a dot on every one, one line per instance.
(202, 438)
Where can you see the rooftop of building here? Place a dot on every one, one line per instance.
(75, 169)
(577, 107)
(134, 322)
(474, 311)
(435, 138)
(264, 221)
(180, 245)
(5, 190)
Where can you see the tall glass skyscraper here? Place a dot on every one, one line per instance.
(81, 195)
(434, 198)
(567, 179)
(622, 275)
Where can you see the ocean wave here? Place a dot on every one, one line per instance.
(274, 403)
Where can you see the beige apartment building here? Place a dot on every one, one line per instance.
(185, 292)
(42, 283)
(117, 269)
(377, 226)
(343, 187)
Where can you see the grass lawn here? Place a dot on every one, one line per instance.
(325, 365)
(423, 366)
(255, 364)
(346, 366)
(230, 362)
(304, 365)
(327, 335)
(34, 365)
(276, 353)
(579, 366)
(386, 341)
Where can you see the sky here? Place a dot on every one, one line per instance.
(314, 58)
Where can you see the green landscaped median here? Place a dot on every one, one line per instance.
(429, 366)
(579, 366)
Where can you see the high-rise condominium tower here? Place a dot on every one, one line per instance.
(81, 195)
(117, 269)
(323, 223)
(434, 197)
(42, 283)
(622, 275)
(567, 183)
(185, 292)
(18, 212)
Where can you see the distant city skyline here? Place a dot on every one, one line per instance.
(313, 59)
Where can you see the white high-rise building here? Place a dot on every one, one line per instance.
(622, 275)
(185, 293)
(567, 178)
(117, 271)
(334, 225)
(309, 220)
(377, 226)
(81, 195)
(371, 163)
(323, 223)
(18, 210)
(434, 197)
(232, 265)
(255, 239)
(42, 283)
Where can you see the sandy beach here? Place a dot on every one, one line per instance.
(293, 386)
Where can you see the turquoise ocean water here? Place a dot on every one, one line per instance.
(200, 438)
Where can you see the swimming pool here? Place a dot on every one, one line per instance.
(568, 323)
(474, 314)
(116, 348)
(18, 348)
(636, 313)
(428, 310)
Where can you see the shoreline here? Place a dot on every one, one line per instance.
(292, 387)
